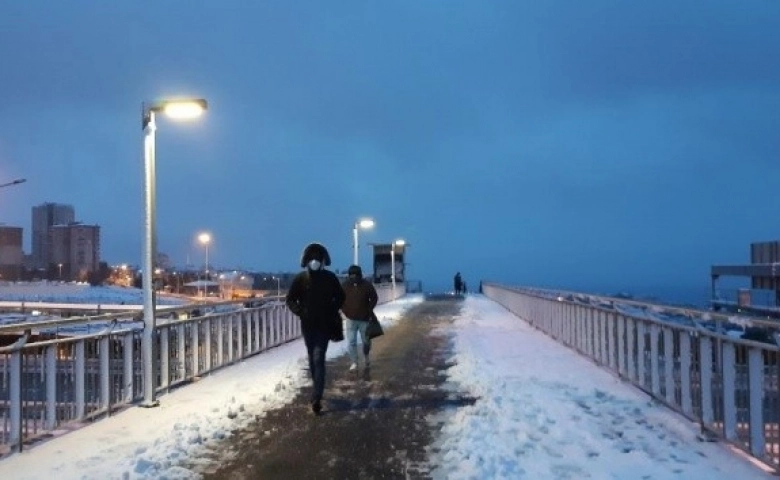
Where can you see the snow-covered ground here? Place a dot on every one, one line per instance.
(542, 412)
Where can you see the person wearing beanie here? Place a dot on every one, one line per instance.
(315, 296)
(361, 298)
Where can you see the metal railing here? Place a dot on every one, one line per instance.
(56, 381)
(728, 385)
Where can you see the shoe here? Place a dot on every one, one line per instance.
(316, 407)
(353, 367)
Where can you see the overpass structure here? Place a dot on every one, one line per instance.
(685, 359)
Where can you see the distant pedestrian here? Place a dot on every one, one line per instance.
(458, 283)
(316, 296)
(358, 306)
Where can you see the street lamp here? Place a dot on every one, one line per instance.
(15, 182)
(60, 266)
(278, 286)
(205, 238)
(178, 109)
(397, 243)
(362, 223)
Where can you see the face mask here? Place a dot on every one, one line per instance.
(314, 264)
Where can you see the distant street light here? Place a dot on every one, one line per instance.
(60, 265)
(362, 223)
(278, 286)
(178, 109)
(204, 239)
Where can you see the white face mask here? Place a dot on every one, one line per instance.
(315, 265)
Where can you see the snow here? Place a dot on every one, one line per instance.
(542, 412)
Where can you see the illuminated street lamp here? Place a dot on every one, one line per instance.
(363, 223)
(397, 243)
(178, 109)
(205, 239)
(278, 286)
(60, 266)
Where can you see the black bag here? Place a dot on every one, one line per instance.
(374, 328)
(337, 332)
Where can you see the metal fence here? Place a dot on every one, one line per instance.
(729, 386)
(48, 386)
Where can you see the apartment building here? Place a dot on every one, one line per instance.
(11, 254)
(74, 251)
(43, 218)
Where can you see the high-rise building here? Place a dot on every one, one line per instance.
(74, 251)
(44, 217)
(11, 255)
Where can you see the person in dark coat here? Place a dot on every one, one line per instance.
(316, 296)
(360, 301)
(458, 283)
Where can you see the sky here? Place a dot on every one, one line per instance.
(596, 145)
(575, 421)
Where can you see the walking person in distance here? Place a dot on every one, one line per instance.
(361, 298)
(316, 296)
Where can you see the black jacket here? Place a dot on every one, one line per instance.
(316, 297)
(360, 300)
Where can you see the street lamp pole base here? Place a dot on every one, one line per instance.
(152, 404)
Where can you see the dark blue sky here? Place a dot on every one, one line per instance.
(598, 144)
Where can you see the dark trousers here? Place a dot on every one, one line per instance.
(316, 346)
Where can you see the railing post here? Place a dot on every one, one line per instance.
(207, 344)
(756, 383)
(51, 387)
(631, 352)
(230, 338)
(621, 344)
(220, 341)
(705, 375)
(641, 346)
(165, 357)
(612, 347)
(669, 365)
(264, 321)
(182, 349)
(655, 381)
(240, 332)
(195, 348)
(15, 392)
(129, 382)
(685, 372)
(258, 332)
(79, 381)
(105, 374)
(729, 385)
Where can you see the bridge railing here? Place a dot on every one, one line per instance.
(728, 385)
(54, 376)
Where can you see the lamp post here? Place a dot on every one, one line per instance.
(205, 238)
(278, 286)
(15, 182)
(179, 109)
(362, 223)
(60, 267)
(397, 243)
